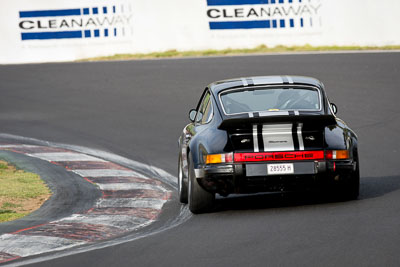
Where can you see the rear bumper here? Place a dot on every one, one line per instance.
(253, 177)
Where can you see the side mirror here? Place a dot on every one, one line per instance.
(192, 115)
(334, 108)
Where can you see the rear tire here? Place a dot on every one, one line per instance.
(182, 183)
(200, 200)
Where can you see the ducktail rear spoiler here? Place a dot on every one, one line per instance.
(243, 122)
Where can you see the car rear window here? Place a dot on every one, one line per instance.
(270, 99)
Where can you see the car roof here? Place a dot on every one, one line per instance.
(243, 82)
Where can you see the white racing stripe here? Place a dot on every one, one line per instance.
(152, 203)
(64, 156)
(289, 79)
(244, 82)
(108, 172)
(277, 137)
(255, 139)
(300, 136)
(130, 186)
(267, 80)
(27, 245)
(273, 113)
(126, 222)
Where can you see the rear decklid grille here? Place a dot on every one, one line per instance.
(243, 121)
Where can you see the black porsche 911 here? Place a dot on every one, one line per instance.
(265, 134)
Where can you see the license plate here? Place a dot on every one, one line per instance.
(284, 168)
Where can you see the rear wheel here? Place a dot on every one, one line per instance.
(182, 182)
(200, 200)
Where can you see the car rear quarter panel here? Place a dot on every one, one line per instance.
(340, 137)
(208, 140)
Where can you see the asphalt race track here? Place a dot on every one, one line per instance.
(70, 192)
(137, 109)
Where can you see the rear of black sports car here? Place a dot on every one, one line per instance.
(265, 134)
(286, 156)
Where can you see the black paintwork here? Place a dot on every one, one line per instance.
(224, 133)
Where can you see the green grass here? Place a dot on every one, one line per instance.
(11, 216)
(20, 192)
(10, 205)
(3, 166)
(257, 50)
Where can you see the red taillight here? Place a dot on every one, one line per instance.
(337, 154)
(279, 156)
(229, 157)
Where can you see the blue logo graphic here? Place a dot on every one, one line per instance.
(94, 22)
(263, 14)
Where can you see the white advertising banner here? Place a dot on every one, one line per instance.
(51, 31)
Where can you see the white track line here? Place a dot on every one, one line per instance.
(64, 156)
(152, 203)
(130, 186)
(126, 222)
(11, 146)
(108, 172)
(27, 245)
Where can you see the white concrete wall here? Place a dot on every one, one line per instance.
(158, 25)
